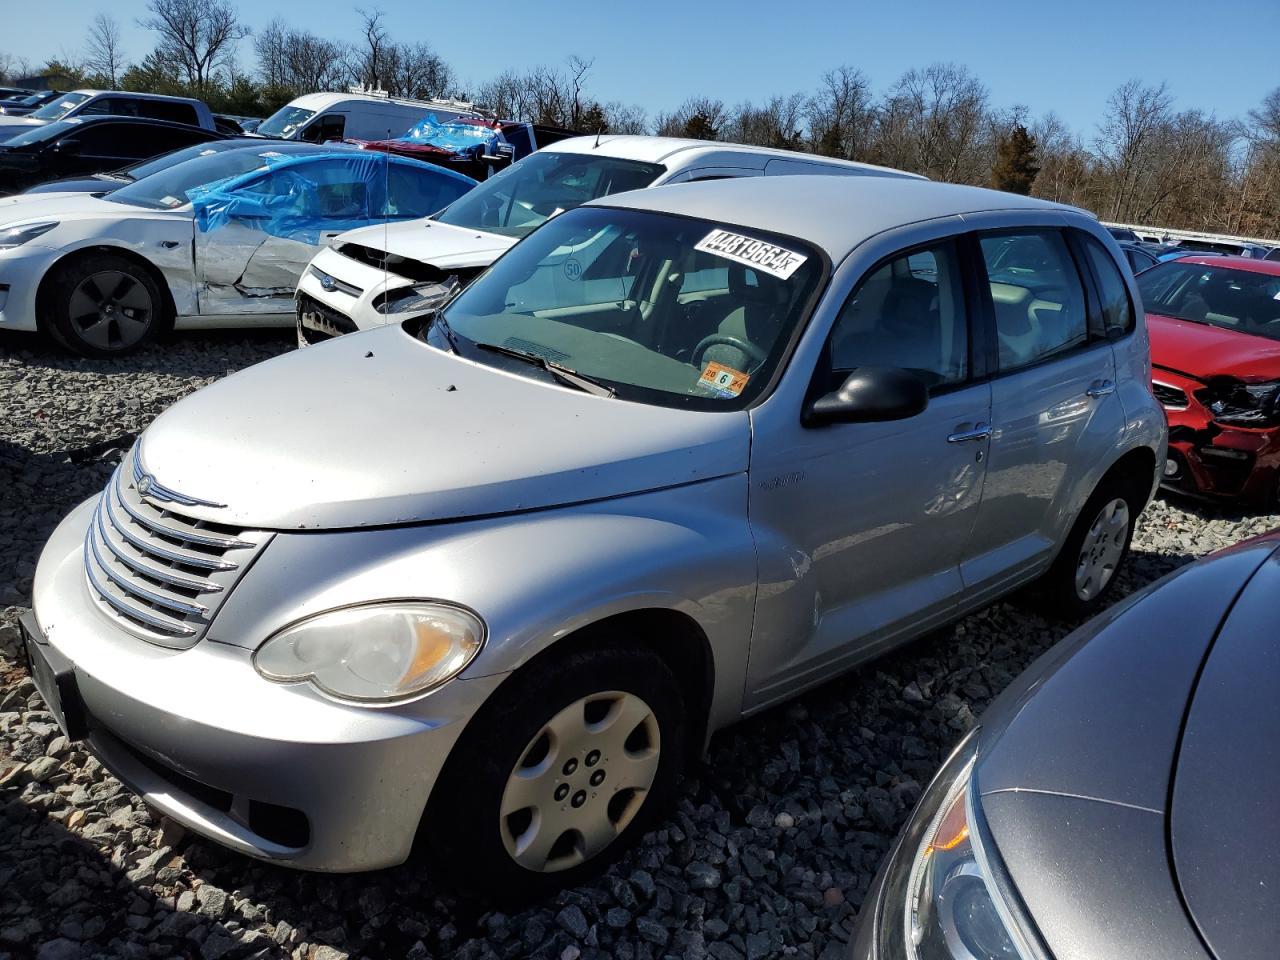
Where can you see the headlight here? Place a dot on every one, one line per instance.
(419, 298)
(17, 236)
(382, 651)
(1242, 404)
(941, 899)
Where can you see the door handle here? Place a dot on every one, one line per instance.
(1100, 388)
(979, 431)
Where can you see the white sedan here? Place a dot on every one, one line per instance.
(217, 241)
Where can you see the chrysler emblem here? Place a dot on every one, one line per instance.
(327, 282)
(144, 485)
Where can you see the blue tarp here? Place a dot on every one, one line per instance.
(461, 139)
(300, 197)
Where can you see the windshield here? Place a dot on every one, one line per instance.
(284, 123)
(168, 188)
(188, 153)
(532, 191)
(1219, 296)
(662, 309)
(59, 108)
(44, 133)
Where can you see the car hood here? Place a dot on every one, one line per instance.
(439, 244)
(1077, 756)
(66, 207)
(378, 429)
(1202, 351)
(1225, 816)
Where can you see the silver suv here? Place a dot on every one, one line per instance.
(488, 580)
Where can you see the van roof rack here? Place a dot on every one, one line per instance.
(436, 103)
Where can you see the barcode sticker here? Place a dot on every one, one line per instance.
(768, 257)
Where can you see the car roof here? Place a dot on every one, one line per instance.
(835, 213)
(135, 95)
(1247, 264)
(664, 149)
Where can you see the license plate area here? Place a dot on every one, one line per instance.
(55, 677)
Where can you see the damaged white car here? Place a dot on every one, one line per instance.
(217, 241)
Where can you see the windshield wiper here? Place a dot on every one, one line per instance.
(562, 373)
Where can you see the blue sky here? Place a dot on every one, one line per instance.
(1219, 57)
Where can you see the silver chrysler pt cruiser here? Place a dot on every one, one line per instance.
(485, 580)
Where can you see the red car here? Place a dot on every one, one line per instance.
(1215, 355)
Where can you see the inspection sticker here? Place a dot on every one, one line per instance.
(722, 380)
(769, 257)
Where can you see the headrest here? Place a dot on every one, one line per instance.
(756, 287)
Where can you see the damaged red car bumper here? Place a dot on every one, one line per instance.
(1213, 459)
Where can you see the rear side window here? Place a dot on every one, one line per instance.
(1037, 295)
(1117, 311)
(167, 110)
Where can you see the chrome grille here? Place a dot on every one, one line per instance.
(161, 574)
(1169, 396)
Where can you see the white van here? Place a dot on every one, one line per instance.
(358, 114)
(368, 278)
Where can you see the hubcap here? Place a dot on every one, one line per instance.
(1103, 545)
(110, 310)
(580, 781)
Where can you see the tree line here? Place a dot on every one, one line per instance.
(1145, 161)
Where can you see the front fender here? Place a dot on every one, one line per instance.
(534, 578)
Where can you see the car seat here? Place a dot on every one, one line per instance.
(756, 308)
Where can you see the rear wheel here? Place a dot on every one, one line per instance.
(1095, 549)
(559, 774)
(104, 306)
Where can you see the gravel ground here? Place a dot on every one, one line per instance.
(769, 852)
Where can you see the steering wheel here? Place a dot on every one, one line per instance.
(754, 353)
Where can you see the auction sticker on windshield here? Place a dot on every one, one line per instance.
(723, 381)
(769, 257)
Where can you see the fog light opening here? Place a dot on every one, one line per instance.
(1171, 468)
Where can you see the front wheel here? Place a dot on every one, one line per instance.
(1095, 549)
(104, 306)
(559, 774)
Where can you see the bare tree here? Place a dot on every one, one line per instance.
(197, 36)
(1134, 114)
(841, 115)
(415, 70)
(702, 118)
(103, 55)
(935, 122)
(626, 118)
(777, 123)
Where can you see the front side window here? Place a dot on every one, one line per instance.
(171, 110)
(530, 192)
(908, 313)
(1037, 296)
(1117, 311)
(1218, 296)
(629, 299)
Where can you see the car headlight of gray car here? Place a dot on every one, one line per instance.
(381, 651)
(942, 897)
(16, 236)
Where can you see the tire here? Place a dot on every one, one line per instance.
(104, 305)
(1085, 570)
(534, 741)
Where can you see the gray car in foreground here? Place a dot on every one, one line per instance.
(1119, 800)
(679, 455)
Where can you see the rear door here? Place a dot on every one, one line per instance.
(1055, 413)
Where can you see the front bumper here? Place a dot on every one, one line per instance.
(274, 771)
(338, 309)
(1218, 461)
(21, 270)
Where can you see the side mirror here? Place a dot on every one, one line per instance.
(870, 394)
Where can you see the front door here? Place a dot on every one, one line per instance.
(1053, 405)
(860, 528)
